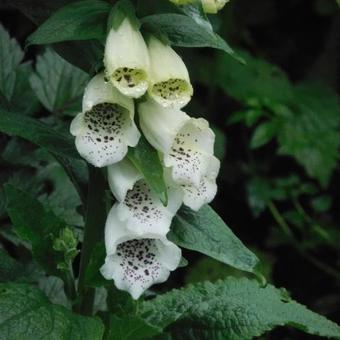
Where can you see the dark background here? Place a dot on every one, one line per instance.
(303, 38)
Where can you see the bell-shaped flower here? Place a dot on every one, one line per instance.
(213, 6)
(105, 127)
(138, 208)
(126, 60)
(187, 143)
(136, 262)
(196, 196)
(169, 78)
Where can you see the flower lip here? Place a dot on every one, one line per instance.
(105, 128)
(138, 263)
(173, 92)
(131, 82)
(133, 261)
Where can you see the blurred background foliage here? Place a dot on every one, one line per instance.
(276, 120)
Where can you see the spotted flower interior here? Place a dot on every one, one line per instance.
(139, 263)
(101, 140)
(129, 78)
(172, 91)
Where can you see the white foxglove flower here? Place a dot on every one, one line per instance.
(105, 127)
(196, 196)
(126, 60)
(213, 6)
(138, 208)
(187, 143)
(136, 262)
(169, 78)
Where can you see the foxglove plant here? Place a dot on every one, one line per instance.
(105, 127)
(126, 59)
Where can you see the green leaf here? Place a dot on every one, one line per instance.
(83, 20)
(11, 56)
(24, 100)
(184, 31)
(232, 309)
(36, 225)
(145, 158)
(10, 269)
(121, 10)
(25, 313)
(311, 132)
(38, 133)
(263, 134)
(58, 85)
(129, 328)
(257, 80)
(204, 231)
(93, 277)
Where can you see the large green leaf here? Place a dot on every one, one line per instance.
(10, 269)
(311, 132)
(38, 133)
(204, 231)
(129, 328)
(11, 56)
(257, 80)
(36, 225)
(58, 84)
(82, 20)
(232, 309)
(145, 158)
(184, 31)
(25, 313)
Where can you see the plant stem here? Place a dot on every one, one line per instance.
(287, 231)
(93, 233)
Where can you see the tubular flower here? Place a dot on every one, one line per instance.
(187, 143)
(126, 60)
(213, 6)
(138, 208)
(169, 78)
(136, 262)
(105, 127)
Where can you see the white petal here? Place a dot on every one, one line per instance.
(139, 263)
(169, 78)
(106, 127)
(160, 125)
(196, 197)
(77, 124)
(98, 91)
(191, 152)
(103, 142)
(121, 177)
(143, 212)
(126, 60)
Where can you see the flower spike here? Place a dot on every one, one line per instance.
(169, 78)
(105, 128)
(126, 60)
(136, 262)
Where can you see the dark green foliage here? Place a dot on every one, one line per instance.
(25, 313)
(232, 309)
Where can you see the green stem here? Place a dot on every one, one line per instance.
(93, 233)
(70, 288)
(287, 231)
